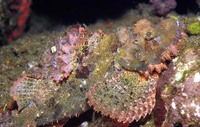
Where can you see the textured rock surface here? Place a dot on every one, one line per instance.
(181, 88)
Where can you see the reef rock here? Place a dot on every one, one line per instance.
(181, 88)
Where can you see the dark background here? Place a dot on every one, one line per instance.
(89, 11)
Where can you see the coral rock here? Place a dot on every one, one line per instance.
(162, 7)
(181, 85)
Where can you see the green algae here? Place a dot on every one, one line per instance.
(194, 28)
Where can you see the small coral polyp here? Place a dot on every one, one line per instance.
(148, 47)
(123, 96)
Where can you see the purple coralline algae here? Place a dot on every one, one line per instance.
(162, 7)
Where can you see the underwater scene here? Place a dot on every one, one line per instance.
(100, 63)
